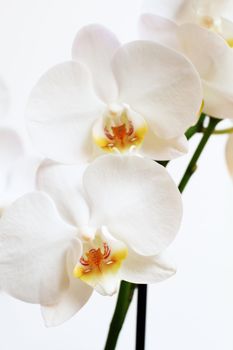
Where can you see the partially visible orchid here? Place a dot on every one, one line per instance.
(17, 168)
(215, 15)
(207, 50)
(59, 244)
(138, 96)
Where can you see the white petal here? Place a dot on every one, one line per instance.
(108, 284)
(136, 199)
(147, 269)
(227, 30)
(72, 299)
(159, 84)
(163, 149)
(183, 11)
(11, 147)
(213, 59)
(227, 11)
(229, 154)
(207, 52)
(155, 28)
(33, 245)
(60, 112)
(63, 183)
(218, 101)
(176, 10)
(20, 179)
(212, 8)
(94, 46)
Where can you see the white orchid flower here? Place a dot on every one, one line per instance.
(215, 15)
(229, 154)
(59, 244)
(117, 97)
(209, 52)
(17, 169)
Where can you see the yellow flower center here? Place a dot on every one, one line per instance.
(99, 261)
(120, 128)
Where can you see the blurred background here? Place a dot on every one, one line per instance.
(194, 309)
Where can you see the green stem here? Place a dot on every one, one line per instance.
(123, 301)
(193, 163)
(226, 131)
(196, 128)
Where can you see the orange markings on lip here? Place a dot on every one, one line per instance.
(122, 136)
(95, 257)
(120, 131)
(207, 21)
(119, 134)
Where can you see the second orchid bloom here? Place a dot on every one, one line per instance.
(138, 96)
(200, 31)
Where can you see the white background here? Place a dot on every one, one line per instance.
(194, 309)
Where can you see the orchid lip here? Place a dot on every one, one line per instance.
(119, 129)
(99, 260)
(95, 257)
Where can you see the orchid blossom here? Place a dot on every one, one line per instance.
(208, 51)
(60, 243)
(215, 15)
(138, 96)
